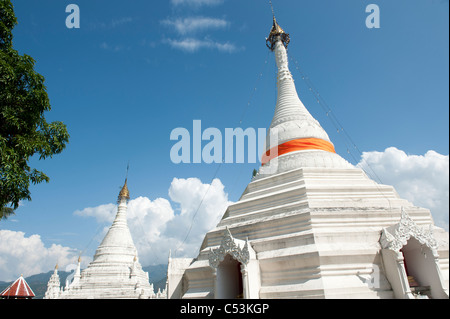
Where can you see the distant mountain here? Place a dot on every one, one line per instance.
(157, 275)
(38, 283)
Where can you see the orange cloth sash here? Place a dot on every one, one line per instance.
(298, 145)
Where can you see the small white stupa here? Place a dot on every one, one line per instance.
(311, 225)
(115, 272)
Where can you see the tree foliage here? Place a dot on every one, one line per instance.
(5, 212)
(24, 131)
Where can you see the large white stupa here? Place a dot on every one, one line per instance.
(311, 225)
(114, 273)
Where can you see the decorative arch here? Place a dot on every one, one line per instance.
(230, 246)
(242, 252)
(422, 253)
(397, 236)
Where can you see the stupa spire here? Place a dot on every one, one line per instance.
(77, 275)
(119, 233)
(296, 130)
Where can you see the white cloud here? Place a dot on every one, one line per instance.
(421, 179)
(196, 3)
(149, 218)
(195, 24)
(201, 205)
(28, 255)
(192, 45)
(189, 25)
(158, 226)
(103, 213)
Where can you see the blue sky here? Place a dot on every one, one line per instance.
(136, 70)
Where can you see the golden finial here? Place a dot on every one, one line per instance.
(276, 33)
(124, 193)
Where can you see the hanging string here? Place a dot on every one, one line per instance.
(197, 210)
(97, 231)
(255, 88)
(347, 139)
(350, 144)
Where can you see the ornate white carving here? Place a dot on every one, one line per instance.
(395, 237)
(53, 286)
(282, 62)
(229, 246)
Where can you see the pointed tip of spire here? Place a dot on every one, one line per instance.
(276, 34)
(124, 192)
(271, 7)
